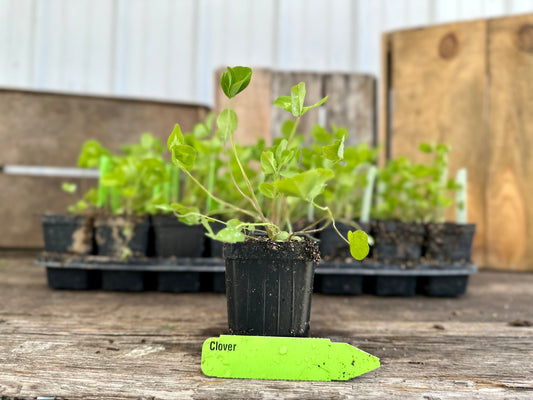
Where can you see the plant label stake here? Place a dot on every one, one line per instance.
(286, 358)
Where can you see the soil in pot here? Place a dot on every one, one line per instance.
(449, 242)
(115, 234)
(173, 238)
(397, 240)
(67, 233)
(269, 286)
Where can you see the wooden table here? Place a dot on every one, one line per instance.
(108, 345)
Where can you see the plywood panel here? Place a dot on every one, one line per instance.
(438, 83)
(49, 129)
(510, 162)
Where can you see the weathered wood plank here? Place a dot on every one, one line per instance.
(106, 345)
(351, 103)
(438, 82)
(509, 167)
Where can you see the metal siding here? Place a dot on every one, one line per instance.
(169, 49)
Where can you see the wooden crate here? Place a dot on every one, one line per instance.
(470, 85)
(351, 103)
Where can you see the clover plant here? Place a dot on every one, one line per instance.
(282, 175)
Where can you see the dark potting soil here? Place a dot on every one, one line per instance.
(449, 242)
(397, 240)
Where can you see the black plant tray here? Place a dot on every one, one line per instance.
(180, 275)
(134, 275)
(372, 277)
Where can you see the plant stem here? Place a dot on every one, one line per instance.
(367, 196)
(166, 185)
(174, 184)
(210, 184)
(104, 166)
(218, 200)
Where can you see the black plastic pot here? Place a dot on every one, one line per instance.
(444, 286)
(132, 280)
(269, 286)
(116, 233)
(449, 242)
(173, 238)
(397, 241)
(73, 278)
(67, 233)
(178, 281)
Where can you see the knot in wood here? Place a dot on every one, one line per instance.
(448, 46)
(525, 38)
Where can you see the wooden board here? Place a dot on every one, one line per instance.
(438, 82)
(510, 147)
(110, 345)
(352, 103)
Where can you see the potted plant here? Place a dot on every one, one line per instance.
(269, 266)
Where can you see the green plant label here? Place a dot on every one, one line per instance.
(285, 358)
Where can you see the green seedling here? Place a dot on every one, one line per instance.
(282, 176)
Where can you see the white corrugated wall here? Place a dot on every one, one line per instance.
(168, 49)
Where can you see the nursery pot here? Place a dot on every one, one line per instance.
(67, 233)
(397, 241)
(449, 242)
(116, 233)
(269, 286)
(173, 238)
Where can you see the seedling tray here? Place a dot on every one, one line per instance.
(372, 277)
(207, 275)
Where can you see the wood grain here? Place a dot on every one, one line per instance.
(352, 103)
(110, 345)
(510, 165)
(438, 82)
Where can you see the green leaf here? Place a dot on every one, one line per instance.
(235, 80)
(227, 123)
(426, 148)
(321, 136)
(306, 185)
(175, 138)
(232, 233)
(187, 215)
(335, 151)
(317, 104)
(267, 189)
(183, 156)
(69, 187)
(268, 163)
(284, 102)
(90, 154)
(297, 99)
(358, 244)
